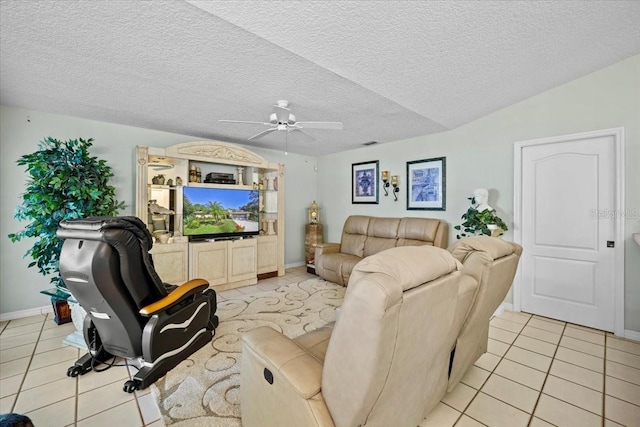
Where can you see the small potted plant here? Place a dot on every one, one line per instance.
(65, 182)
(480, 218)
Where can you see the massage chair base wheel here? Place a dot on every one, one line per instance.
(131, 386)
(75, 370)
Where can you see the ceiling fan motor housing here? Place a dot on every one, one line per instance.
(273, 119)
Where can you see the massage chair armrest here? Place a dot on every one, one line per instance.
(176, 296)
(327, 248)
(290, 362)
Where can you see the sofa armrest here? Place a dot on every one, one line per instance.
(327, 248)
(290, 362)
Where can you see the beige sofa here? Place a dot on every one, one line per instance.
(386, 360)
(363, 236)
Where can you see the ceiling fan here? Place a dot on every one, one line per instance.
(282, 119)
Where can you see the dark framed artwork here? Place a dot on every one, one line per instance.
(426, 184)
(364, 182)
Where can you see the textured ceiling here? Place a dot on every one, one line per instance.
(389, 70)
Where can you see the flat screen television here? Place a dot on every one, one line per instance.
(210, 213)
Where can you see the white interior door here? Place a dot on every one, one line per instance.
(569, 228)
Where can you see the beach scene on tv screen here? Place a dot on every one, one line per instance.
(219, 211)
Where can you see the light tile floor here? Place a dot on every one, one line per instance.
(543, 372)
(34, 382)
(537, 372)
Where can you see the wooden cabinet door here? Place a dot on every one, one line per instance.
(171, 262)
(208, 260)
(242, 261)
(267, 254)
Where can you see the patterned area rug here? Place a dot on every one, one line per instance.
(204, 389)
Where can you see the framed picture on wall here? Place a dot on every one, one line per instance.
(426, 184)
(364, 182)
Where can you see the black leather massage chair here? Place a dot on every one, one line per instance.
(105, 263)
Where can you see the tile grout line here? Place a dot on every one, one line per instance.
(492, 372)
(625, 352)
(573, 382)
(33, 352)
(77, 390)
(624, 381)
(548, 373)
(479, 390)
(604, 382)
(136, 399)
(535, 406)
(77, 396)
(603, 374)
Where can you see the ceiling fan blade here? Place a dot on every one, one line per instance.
(321, 125)
(243, 121)
(282, 114)
(261, 134)
(304, 133)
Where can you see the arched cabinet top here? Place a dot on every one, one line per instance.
(217, 152)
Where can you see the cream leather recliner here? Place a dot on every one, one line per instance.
(410, 316)
(384, 363)
(489, 267)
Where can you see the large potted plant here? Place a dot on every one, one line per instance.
(480, 218)
(65, 182)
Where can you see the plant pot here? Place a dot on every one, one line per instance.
(495, 230)
(61, 311)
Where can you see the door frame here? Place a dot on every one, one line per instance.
(618, 285)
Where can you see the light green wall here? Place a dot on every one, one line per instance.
(480, 154)
(20, 132)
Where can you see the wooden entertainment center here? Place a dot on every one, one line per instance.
(161, 177)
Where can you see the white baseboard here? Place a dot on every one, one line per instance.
(632, 335)
(505, 306)
(295, 264)
(26, 313)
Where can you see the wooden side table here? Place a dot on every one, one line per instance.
(312, 237)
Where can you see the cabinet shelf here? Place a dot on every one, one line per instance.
(211, 185)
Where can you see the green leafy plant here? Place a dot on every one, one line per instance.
(475, 222)
(66, 182)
